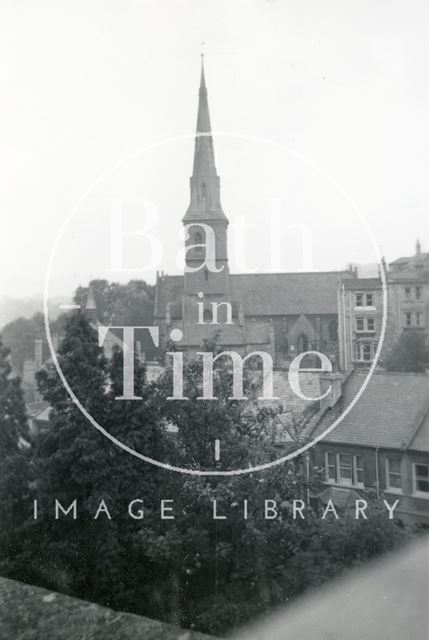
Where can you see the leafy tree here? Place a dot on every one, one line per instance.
(409, 353)
(219, 573)
(19, 335)
(98, 559)
(122, 304)
(194, 570)
(12, 408)
(14, 466)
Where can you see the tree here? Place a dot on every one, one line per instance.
(13, 423)
(19, 335)
(14, 463)
(130, 303)
(99, 559)
(216, 574)
(195, 570)
(409, 353)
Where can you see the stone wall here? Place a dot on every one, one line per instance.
(32, 613)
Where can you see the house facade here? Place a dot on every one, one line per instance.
(383, 443)
(360, 309)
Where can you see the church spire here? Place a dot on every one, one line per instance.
(205, 184)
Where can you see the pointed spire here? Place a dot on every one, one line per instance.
(203, 118)
(205, 184)
(418, 247)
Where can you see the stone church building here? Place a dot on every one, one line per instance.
(280, 313)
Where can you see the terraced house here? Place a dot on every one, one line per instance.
(360, 308)
(381, 445)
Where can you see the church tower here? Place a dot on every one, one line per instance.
(205, 209)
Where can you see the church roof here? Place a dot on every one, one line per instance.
(268, 294)
(287, 293)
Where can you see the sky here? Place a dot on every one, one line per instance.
(321, 110)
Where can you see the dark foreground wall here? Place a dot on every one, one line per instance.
(31, 613)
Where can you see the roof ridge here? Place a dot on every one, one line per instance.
(292, 273)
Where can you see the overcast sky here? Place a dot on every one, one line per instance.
(342, 85)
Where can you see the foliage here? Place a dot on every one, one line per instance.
(12, 407)
(194, 570)
(121, 304)
(14, 468)
(409, 353)
(19, 335)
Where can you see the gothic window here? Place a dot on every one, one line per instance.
(302, 343)
(198, 239)
(207, 315)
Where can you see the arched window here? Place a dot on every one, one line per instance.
(302, 343)
(207, 315)
(198, 239)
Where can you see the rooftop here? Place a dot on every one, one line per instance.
(393, 412)
(268, 294)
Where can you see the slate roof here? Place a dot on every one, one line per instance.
(389, 413)
(420, 442)
(269, 294)
(362, 284)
